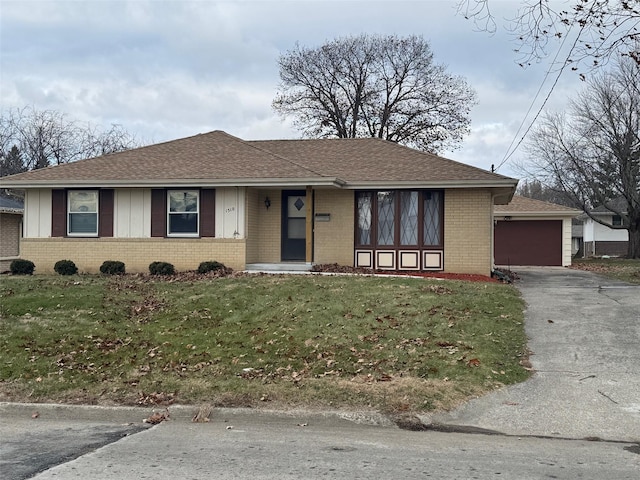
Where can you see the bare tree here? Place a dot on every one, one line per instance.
(537, 190)
(48, 137)
(592, 152)
(374, 86)
(603, 28)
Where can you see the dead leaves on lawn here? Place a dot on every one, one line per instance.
(437, 289)
(156, 398)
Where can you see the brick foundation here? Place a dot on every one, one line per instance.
(89, 253)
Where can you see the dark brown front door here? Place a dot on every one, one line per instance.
(294, 225)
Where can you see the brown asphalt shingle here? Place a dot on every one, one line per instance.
(528, 205)
(220, 156)
(373, 159)
(210, 156)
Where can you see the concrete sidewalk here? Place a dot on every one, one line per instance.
(584, 334)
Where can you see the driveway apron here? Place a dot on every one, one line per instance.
(584, 337)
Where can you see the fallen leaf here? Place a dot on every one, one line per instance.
(157, 417)
(203, 414)
(474, 362)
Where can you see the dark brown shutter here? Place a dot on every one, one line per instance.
(58, 213)
(207, 213)
(158, 212)
(105, 217)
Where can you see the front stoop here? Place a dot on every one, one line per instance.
(285, 267)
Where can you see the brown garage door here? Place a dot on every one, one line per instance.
(528, 242)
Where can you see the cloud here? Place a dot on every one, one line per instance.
(168, 69)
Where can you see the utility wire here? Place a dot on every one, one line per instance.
(544, 80)
(509, 154)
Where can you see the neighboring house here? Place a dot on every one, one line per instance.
(602, 240)
(364, 202)
(11, 210)
(577, 238)
(533, 232)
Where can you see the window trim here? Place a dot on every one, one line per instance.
(198, 213)
(68, 212)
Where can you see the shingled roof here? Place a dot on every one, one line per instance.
(618, 204)
(373, 160)
(217, 158)
(524, 206)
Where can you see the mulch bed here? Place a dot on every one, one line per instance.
(335, 268)
(326, 268)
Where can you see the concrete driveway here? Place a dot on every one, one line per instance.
(584, 335)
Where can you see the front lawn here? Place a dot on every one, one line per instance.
(627, 270)
(389, 344)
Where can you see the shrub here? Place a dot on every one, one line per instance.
(213, 266)
(112, 267)
(22, 267)
(161, 268)
(65, 267)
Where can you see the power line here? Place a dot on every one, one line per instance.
(544, 80)
(509, 153)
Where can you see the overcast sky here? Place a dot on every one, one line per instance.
(166, 69)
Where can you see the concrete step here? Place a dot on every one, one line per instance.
(279, 267)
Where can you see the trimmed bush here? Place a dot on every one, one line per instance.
(206, 267)
(161, 268)
(65, 267)
(22, 267)
(112, 267)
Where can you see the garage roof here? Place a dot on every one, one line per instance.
(529, 207)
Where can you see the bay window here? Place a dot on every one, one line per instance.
(399, 219)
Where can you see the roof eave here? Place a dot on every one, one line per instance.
(177, 182)
(508, 184)
(540, 214)
(399, 184)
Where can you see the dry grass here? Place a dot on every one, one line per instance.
(627, 270)
(387, 344)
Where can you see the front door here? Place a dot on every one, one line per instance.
(294, 225)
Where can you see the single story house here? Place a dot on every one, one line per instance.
(533, 232)
(603, 240)
(362, 202)
(11, 210)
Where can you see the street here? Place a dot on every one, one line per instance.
(250, 444)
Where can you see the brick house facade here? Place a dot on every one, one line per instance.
(362, 202)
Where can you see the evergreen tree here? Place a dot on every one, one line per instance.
(11, 162)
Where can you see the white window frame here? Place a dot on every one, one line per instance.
(70, 194)
(196, 212)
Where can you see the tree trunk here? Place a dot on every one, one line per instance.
(633, 250)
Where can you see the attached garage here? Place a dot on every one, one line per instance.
(532, 232)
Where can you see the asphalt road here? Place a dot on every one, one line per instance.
(254, 445)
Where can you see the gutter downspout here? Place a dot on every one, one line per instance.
(492, 236)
